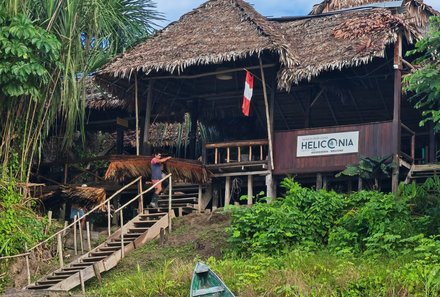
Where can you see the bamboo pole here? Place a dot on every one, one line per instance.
(266, 104)
(199, 199)
(136, 99)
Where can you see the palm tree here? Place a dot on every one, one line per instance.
(90, 32)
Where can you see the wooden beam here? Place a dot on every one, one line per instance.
(331, 110)
(225, 71)
(317, 97)
(397, 65)
(136, 103)
(146, 146)
(269, 127)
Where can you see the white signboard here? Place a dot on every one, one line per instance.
(327, 144)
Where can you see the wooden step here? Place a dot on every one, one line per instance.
(118, 243)
(39, 287)
(50, 282)
(109, 248)
(99, 253)
(94, 258)
(131, 236)
(152, 215)
(177, 200)
(179, 195)
(58, 277)
(72, 269)
(81, 264)
(138, 229)
(65, 273)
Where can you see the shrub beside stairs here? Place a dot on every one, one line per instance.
(138, 231)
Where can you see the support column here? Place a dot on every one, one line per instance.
(250, 192)
(318, 181)
(270, 189)
(146, 146)
(228, 191)
(396, 111)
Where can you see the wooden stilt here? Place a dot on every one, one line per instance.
(228, 191)
(360, 184)
(81, 279)
(325, 182)
(200, 199)
(318, 181)
(136, 103)
(250, 186)
(270, 191)
(97, 273)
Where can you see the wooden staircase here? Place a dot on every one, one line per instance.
(104, 257)
(422, 172)
(185, 198)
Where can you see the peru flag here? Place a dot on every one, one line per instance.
(248, 90)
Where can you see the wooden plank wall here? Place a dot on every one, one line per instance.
(375, 139)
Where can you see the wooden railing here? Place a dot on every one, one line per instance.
(235, 152)
(77, 222)
(411, 156)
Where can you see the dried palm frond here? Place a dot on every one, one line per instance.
(123, 168)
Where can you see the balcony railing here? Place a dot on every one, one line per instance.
(238, 152)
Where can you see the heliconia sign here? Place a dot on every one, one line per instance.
(327, 144)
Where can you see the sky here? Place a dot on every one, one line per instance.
(174, 9)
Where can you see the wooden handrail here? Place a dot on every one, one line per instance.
(237, 143)
(89, 212)
(407, 129)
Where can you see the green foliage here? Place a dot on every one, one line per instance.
(18, 224)
(424, 82)
(26, 53)
(303, 217)
(374, 223)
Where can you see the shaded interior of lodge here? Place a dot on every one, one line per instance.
(327, 91)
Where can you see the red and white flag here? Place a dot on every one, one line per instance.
(248, 90)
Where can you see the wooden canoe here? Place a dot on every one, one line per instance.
(205, 283)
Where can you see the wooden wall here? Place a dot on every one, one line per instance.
(375, 139)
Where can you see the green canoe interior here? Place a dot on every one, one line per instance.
(206, 283)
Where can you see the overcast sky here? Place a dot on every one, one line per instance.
(174, 9)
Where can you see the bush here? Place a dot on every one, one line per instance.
(303, 217)
(19, 225)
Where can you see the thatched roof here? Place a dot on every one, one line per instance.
(100, 99)
(416, 11)
(87, 197)
(216, 32)
(125, 168)
(338, 40)
(224, 30)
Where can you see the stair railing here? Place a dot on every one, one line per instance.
(120, 209)
(76, 220)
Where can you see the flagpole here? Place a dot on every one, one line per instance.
(266, 104)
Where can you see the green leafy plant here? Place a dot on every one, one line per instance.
(370, 169)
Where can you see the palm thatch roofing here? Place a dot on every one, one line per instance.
(416, 12)
(227, 30)
(216, 32)
(339, 40)
(87, 197)
(125, 168)
(98, 98)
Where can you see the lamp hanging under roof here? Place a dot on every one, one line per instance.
(223, 74)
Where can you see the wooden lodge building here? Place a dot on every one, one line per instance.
(327, 91)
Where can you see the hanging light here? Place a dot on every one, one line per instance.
(223, 76)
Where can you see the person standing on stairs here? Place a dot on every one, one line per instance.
(156, 175)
